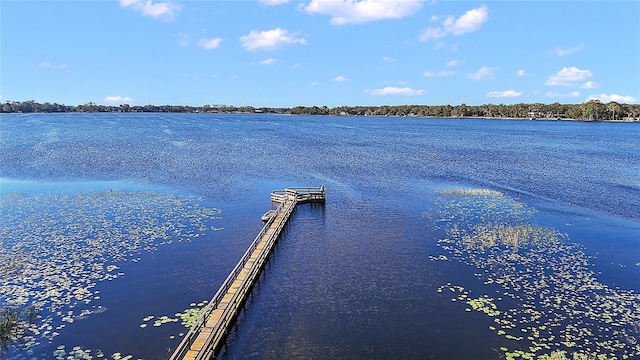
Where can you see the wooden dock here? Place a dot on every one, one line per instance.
(207, 335)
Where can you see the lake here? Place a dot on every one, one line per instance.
(440, 238)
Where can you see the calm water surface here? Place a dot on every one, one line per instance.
(364, 276)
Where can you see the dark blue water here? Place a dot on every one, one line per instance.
(355, 278)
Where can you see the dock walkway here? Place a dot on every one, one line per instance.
(207, 335)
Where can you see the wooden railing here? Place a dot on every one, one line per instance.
(302, 194)
(288, 199)
(186, 342)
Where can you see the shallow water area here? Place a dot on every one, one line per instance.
(65, 243)
(390, 267)
(563, 304)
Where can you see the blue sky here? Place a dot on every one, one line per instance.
(341, 52)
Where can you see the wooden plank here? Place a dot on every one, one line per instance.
(201, 340)
(214, 318)
(243, 275)
(191, 355)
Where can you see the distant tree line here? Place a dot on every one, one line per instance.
(35, 107)
(593, 110)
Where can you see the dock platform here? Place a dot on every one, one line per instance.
(207, 335)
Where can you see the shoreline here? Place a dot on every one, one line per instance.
(592, 111)
(342, 115)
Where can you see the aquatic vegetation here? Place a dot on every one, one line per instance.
(13, 323)
(78, 353)
(55, 249)
(557, 306)
(484, 236)
(484, 304)
(188, 317)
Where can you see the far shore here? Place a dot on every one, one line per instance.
(591, 111)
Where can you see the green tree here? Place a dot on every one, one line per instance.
(613, 107)
(555, 109)
(590, 110)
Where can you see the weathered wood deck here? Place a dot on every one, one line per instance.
(209, 332)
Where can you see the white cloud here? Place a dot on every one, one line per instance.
(559, 51)
(589, 85)
(553, 94)
(521, 72)
(613, 97)
(568, 77)
(269, 39)
(454, 62)
(159, 10)
(470, 21)
(209, 43)
(269, 61)
(392, 90)
(341, 79)
(484, 72)
(118, 100)
(439, 73)
(53, 66)
(433, 34)
(273, 2)
(358, 12)
(504, 94)
(389, 59)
